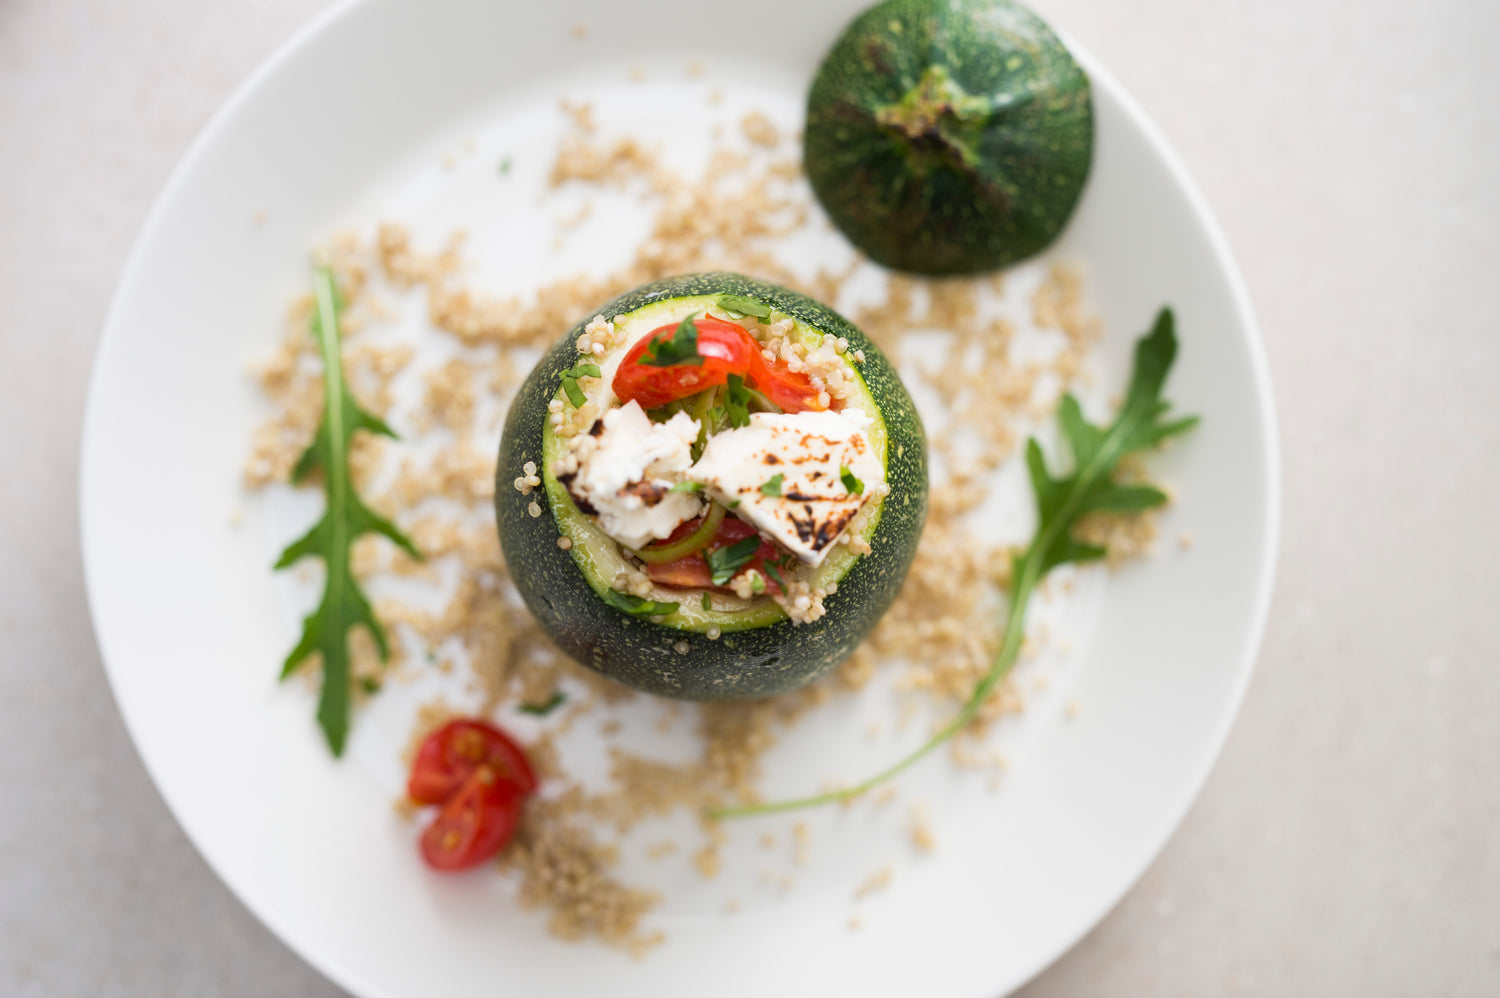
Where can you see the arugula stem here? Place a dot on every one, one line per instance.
(336, 485)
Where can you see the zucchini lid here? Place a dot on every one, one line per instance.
(759, 651)
(949, 136)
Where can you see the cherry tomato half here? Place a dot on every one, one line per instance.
(726, 348)
(450, 755)
(474, 824)
(693, 572)
(792, 390)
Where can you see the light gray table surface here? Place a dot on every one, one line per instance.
(1348, 841)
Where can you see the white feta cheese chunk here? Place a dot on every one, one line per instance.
(624, 469)
(808, 450)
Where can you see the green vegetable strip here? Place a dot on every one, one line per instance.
(744, 306)
(325, 631)
(691, 544)
(703, 404)
(1061, 502)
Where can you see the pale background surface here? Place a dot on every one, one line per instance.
(1348, 842)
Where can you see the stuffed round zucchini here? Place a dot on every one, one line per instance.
(949, 136)
(712, 490)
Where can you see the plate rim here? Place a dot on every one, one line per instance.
(1171, 820)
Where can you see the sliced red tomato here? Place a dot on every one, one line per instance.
(726, 348)
(792, 390)
(692, 572)
(450, 755)
(474, 824)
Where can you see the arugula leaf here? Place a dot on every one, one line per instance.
(637, 607)
(744, 306)
(345, 519)
(854, 485)
(773, 486)
(680, 349)
(723, 563)
(545, 707)
(737, 401)
(1061, 501)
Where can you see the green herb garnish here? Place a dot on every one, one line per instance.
(505, 166)
(546, 707)
(344, 605)
(637, 607)
(773, 486)
(573, 392)
(679, 349)
(708, 604)
(757, 582)
(1060, 503)
(687, 487)
(723, 563)
(744, 306)
(583, 371)
(854, 485)
(775, 575)
(737, 401)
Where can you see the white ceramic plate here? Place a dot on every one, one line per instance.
(352, 116)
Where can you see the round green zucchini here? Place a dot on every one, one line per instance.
(949, 136)
(757, 651)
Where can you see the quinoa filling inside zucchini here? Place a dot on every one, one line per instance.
(616, 572)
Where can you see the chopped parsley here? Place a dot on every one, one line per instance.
(687, 487)
(637, 607)
(744, 306)
(773, 487)
(757, 582)
(569, 381)
(723, 563)
(775, 575)
(681, 348)
(708, 604)
(854, 485)
(545, 707)
(737, 401)
(573, 392)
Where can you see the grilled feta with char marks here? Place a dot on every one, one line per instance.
(799, 478)
(623, 470)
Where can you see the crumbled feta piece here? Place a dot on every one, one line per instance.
(808, 450)
(623, 470)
